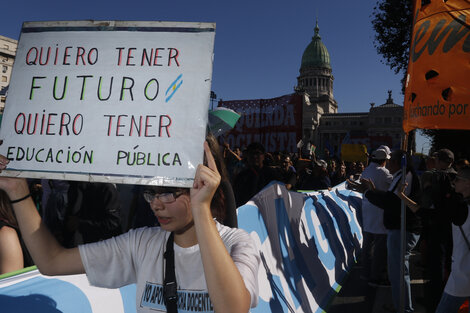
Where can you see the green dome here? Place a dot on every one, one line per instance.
(316, 54)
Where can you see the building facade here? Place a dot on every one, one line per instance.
(323, 126)
(8, 48)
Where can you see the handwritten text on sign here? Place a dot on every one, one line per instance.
(110, 104)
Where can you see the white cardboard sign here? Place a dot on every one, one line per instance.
(122, 102)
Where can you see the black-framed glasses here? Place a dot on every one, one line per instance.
(166, 197)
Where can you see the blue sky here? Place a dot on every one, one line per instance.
(258, 44)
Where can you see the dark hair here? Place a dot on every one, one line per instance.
(255, 146)
(396, 157)
(6, 211)
(218, 201)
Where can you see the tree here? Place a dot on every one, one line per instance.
(455, 140)
(392, 22)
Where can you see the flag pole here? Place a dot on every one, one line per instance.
(401, 309)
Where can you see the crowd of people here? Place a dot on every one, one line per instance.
(437, 205)
(253, 168)
(437, 196)
(87, 215)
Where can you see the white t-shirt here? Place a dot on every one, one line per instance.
(458, 284)
(137, 257)
(373, 216)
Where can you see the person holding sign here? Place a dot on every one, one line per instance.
(190, 263)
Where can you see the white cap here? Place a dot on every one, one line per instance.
(386, 148)
(380, 154)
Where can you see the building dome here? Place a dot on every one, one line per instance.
(316, 54)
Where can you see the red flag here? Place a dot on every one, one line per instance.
(276, 123)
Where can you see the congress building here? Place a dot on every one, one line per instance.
(323, 126)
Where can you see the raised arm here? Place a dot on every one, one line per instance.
(49, 256)
(408, 202)
(226, 287)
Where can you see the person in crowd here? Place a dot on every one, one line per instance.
(292, 161)
(255, 176)
(317, 178)
(139, 214)
(390, 202)
(437, 230)
(269, 160)
(374, 247)
(351, 169)
(461, 163)
(326, 155)
(457, 288)
(93, 213)
(277, 158)
(233, 161)
(430, 162)
(386, 148)
(339, 175)
(359, 169)
(191, 253)
(54, 206)
(13, 254)
(288, 176)
(332, 168)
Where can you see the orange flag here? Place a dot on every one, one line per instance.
(437, 93)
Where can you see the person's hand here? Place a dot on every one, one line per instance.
(368, 183)
(401, 189)
(205, 184)
(361, 186)
(14, 187)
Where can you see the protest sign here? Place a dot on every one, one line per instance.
(437, 90)
(353, 152)
(275, 123)
(122, 102)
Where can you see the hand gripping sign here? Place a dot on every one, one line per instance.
(122, 102)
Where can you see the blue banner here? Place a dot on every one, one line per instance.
(308, 243)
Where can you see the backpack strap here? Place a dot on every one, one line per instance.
(169, 282)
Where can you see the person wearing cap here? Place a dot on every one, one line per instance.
(386, 148)
(374, 250)
(255, 176)
(437, 187)
(457, 288)
(390, 202)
